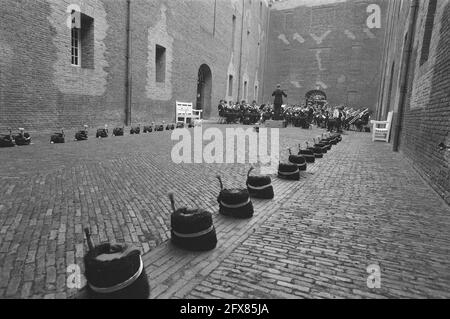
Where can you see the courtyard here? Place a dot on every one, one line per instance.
(361, 205)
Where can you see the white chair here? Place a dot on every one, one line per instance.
(382, 129)
(185, 111)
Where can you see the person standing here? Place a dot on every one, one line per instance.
(337, 115)
(278, 102)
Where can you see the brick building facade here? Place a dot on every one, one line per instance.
(52, 76)
(332, 45)
(416, 86)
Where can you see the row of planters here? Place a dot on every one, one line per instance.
(19, 139)
(116, 271)
(23, 139)
(297, 163)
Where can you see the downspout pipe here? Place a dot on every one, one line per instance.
(128, 83)
(240, 51)
(405, 74)
(383, 64)
(266, 51)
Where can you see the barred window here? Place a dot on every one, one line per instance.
(76, 47)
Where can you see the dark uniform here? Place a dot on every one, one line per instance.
(278, 102)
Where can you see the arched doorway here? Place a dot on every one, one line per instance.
(316, 97)
(204, 90)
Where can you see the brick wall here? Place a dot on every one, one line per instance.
(424, 122)
(40, 90)
(327, 45)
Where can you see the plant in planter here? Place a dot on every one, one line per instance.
(103, 132)
(307, 154)
(115, 272)
(298, 160)
(7, 140)
(235, 202)
(119, 131)
(136, 130)
(22, 139)
(192, 229)
(58, 138)
(259, 186)
(82, 135)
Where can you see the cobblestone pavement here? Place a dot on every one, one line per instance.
(360, 205)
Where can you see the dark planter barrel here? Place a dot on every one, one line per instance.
(289, 171)
(148, 129)
(81, 136)
(6, 141)
(317, 151)
(308, 155)
(102, 133)
(116, 272)
(135, 130)
(300, 161)
(119, 131)
(235, 203)
(260, 186)
(58, 138)
(23, 139)
(193, 229)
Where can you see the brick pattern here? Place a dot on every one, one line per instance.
(118, 187)
(40, 90)
(319, 243)
(359, 205)
(327, 46)
(426, 121)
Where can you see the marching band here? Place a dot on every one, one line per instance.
(332, 118)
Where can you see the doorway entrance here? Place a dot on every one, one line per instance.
(204, 90)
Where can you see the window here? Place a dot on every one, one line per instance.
(230, 85)
(82, 46)
(160, 64)
(246, 91)
(256, 93)
(233, 35)
(429, 23)
(76, 47)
